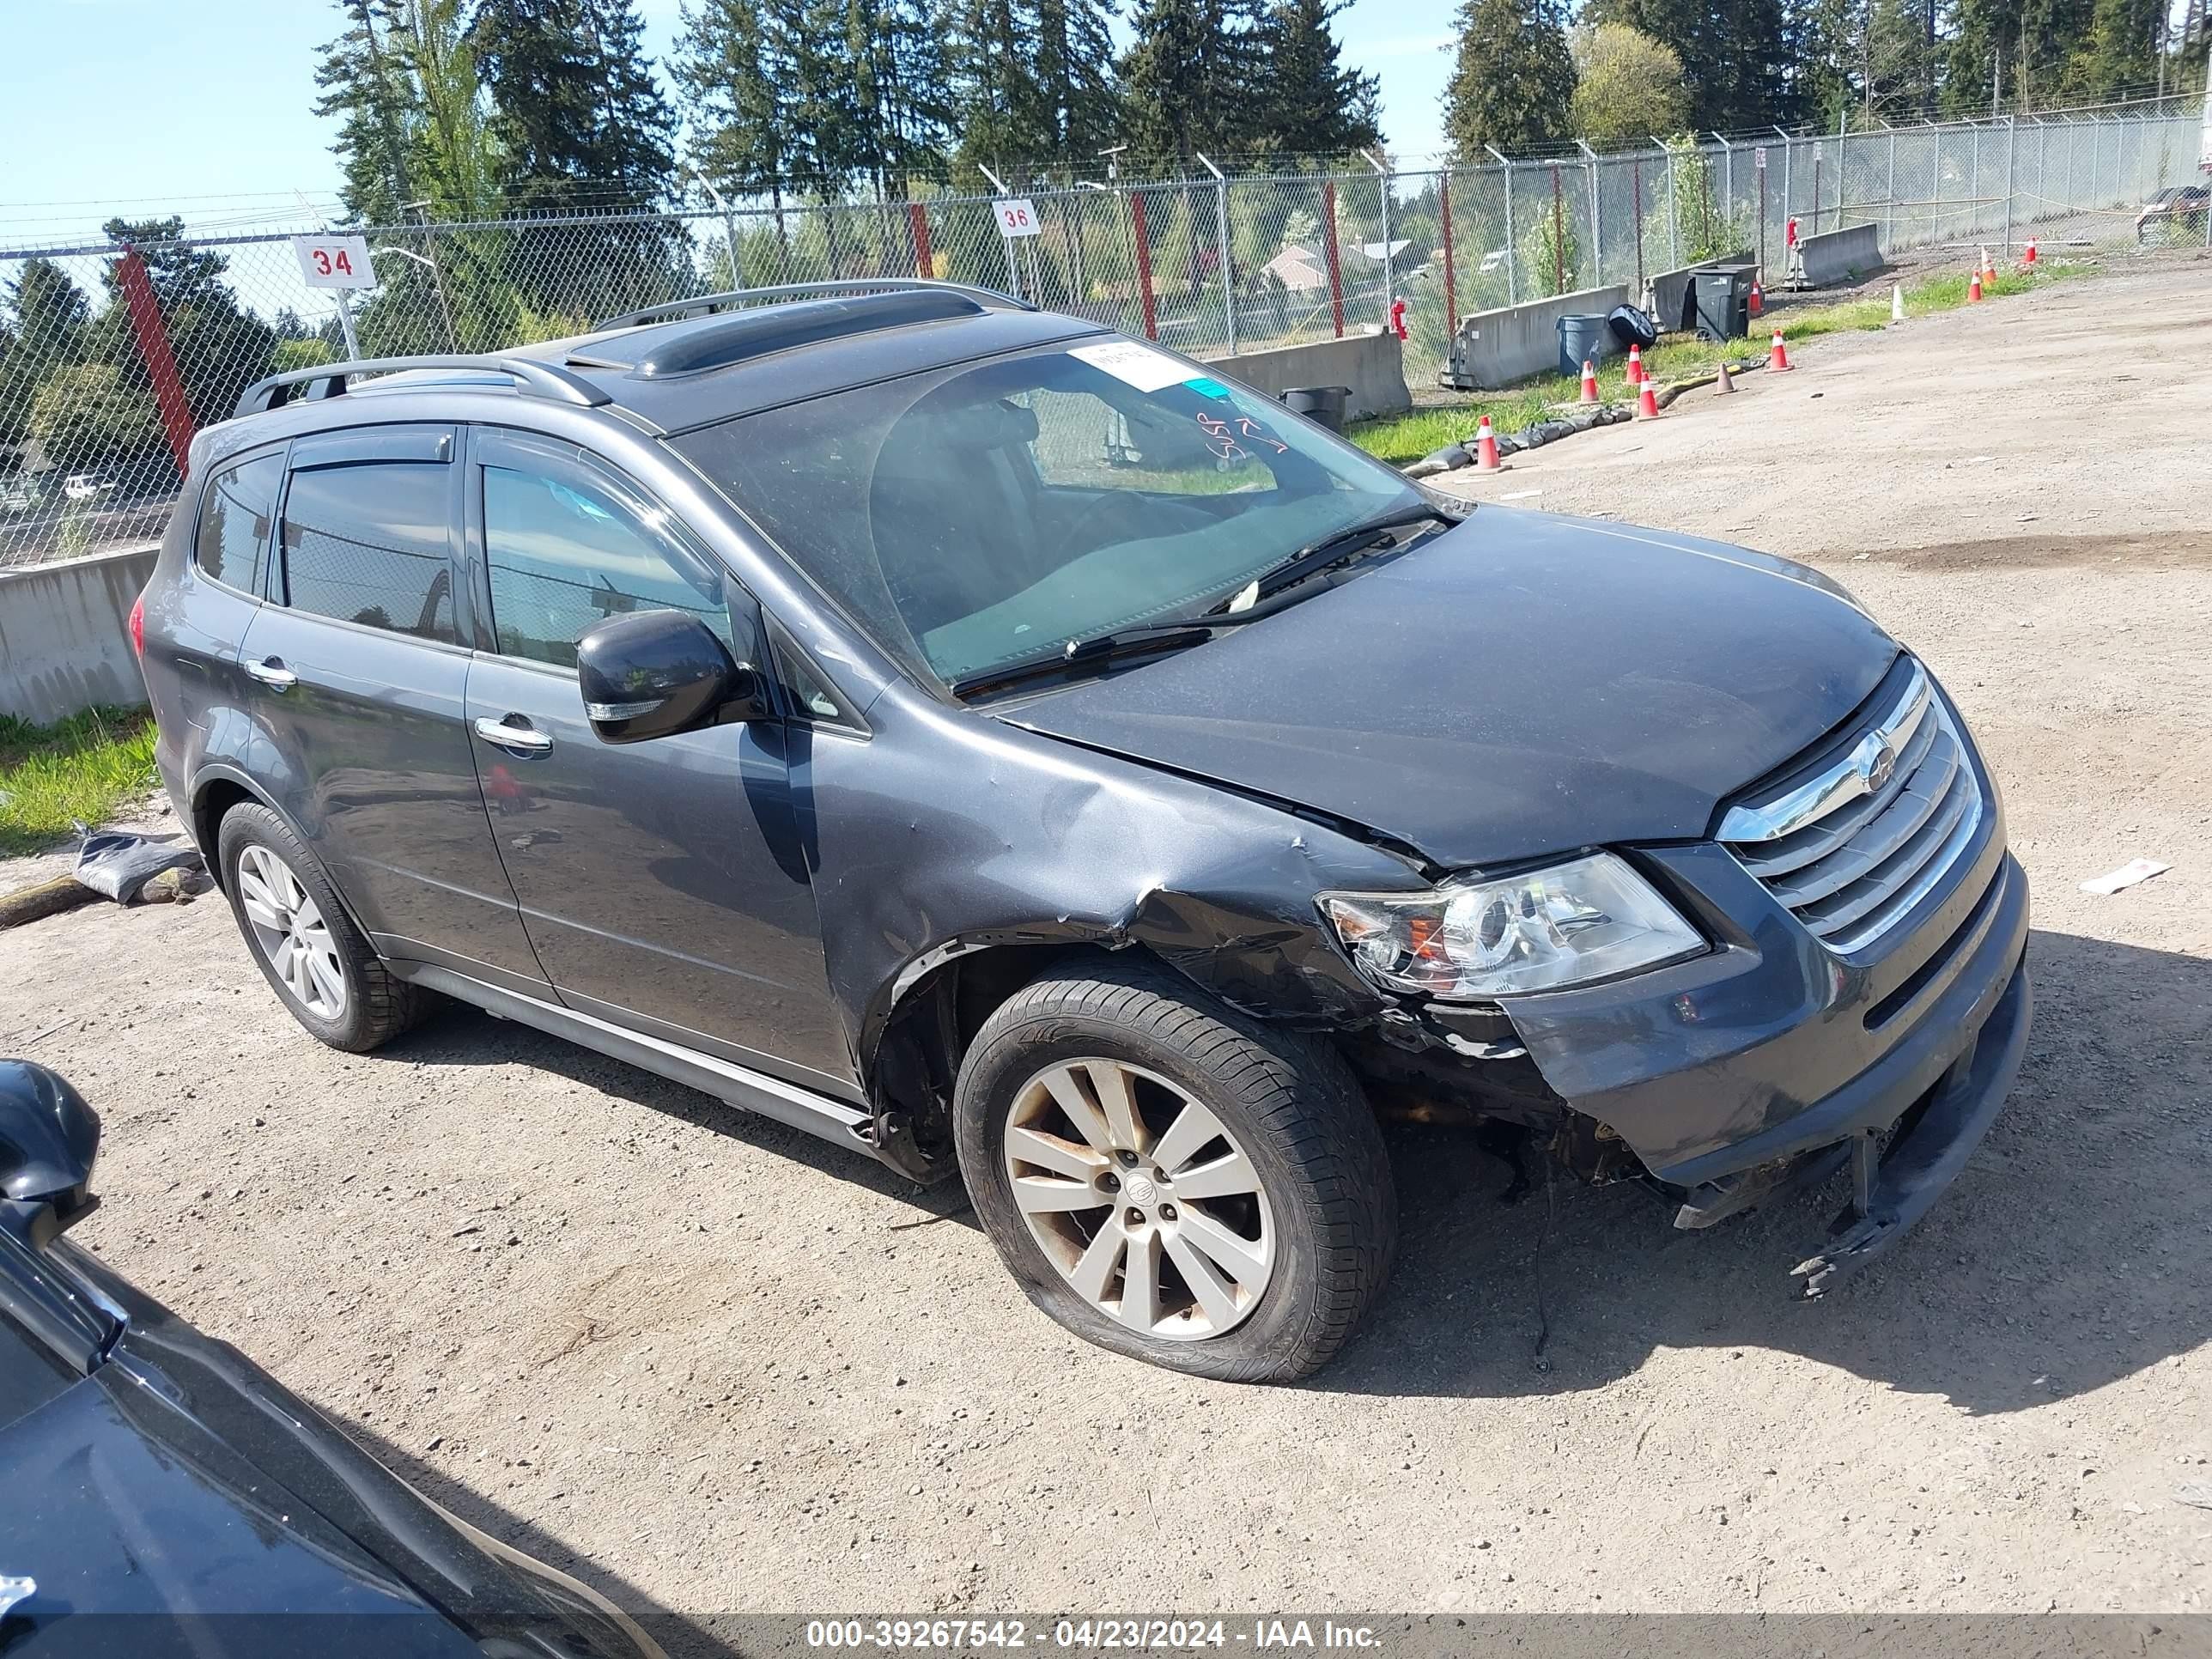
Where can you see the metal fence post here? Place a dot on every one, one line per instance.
(1228, 258)
(1636, 189)
(1673, 219)
(1389, 267)
(1597, 236)
(1728, 177)
(1788, 200)
(1451, 285)
(2012, 150)
(1144, 264)
(161, 362)
(1889, 208)
(1512, 253)
(1335, 267)
(1559, 235)
(1013, 266)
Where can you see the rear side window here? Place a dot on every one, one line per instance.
(369, 544)
(234, 521)
(563, 554)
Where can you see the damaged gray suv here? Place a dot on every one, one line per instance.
(1007, 749)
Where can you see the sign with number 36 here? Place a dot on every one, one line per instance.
(334, 261)
(1016, 217)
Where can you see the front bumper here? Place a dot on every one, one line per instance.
(1772, 1062)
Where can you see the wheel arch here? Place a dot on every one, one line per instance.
(215, 791)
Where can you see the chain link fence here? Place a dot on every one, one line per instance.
(111, 356)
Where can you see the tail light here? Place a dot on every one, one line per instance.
(138, 625)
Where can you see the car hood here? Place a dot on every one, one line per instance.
(1522, 684)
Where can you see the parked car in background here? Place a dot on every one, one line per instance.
(86, 487)
(2178, 210)
(165, 1495)
(1006, 748)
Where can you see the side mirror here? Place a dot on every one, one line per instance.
(48, 1138)
(653, 673)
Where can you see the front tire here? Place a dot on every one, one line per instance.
(326, 974)
(1172, 1180)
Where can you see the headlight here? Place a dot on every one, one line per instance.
(1589, 918)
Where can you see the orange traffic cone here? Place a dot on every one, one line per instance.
(1647, 401)
(1635, 365)
(1589, 381)
(1757, 299)
(1779, 358)
(2028, 257)
(1486, 449)
(1974, 288)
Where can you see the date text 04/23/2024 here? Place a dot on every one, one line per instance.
(1091, 1635)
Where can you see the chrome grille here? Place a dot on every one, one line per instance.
(1853, 841)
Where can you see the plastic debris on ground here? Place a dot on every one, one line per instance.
(118, 865)
(2135, 871)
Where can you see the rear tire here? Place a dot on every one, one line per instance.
(1246, 1247)
(326, 974)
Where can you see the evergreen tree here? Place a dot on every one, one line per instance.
(365, 85)
(1311, 104)
(1513, 82)
(1081, 98)
(578, 114)
(1193, 78)
(220, 347)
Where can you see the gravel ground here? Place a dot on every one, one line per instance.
(714, 1366)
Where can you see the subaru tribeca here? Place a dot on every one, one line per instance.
(1004, 747)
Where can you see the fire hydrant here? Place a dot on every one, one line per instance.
(1398, 317)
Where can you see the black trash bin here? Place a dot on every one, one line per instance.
(1322, 403)
(1723, 302)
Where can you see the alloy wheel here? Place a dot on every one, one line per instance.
(1142, 1199)
(290, 929)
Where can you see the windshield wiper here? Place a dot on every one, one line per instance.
(1346, 544)
(1136, 638)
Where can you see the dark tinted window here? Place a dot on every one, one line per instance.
(565, 553)
(234, 520)
(369, 544)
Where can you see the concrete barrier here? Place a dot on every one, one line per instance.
(1668, 293)
(65, 635)
(1372, 365)
(1491, 349)
(1834, 254)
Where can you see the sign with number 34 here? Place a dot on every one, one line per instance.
(334, 261)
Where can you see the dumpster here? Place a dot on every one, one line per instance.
(1323, 404)
(1583, 339)
(1722, 298)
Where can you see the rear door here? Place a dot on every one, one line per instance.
(360, 676)
(664, 885)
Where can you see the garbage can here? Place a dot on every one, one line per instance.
(1723, 302)
(1321, 404)
(1583, 339)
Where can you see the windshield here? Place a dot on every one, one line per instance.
(981, 515)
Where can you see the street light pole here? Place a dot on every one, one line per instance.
(729, 223)
(1221, 237)
(436, 277)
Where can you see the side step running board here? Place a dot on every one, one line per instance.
(756, 1091)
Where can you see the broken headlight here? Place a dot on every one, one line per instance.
(1565, 924)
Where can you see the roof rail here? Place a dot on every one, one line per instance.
(532, 377)
(674, 310)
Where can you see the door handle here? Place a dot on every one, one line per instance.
(515, 740)
(272, 674)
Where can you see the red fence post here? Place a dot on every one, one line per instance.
(1451, 286)
(1144, 264)
(917, 218)
(1559, 238)
(161, 362)
(1328, 240)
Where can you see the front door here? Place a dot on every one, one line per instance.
(662, 884)
(359, 675)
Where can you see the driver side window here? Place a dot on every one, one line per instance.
(563, 554)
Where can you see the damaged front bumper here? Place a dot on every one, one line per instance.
(1771, 1065)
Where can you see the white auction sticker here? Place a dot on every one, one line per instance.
(1139, 364)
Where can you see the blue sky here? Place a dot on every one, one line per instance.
(203, 107)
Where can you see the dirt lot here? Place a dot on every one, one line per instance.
(715, 1366)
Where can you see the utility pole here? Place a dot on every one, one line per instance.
(1996, 80)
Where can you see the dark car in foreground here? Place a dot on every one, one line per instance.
(1004, 747)
(164, 1495)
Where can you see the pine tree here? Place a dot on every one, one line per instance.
(1513, 82)
(365, 85)
(1739, 56)
(579, 118)
(1194, 77)
(1080, 95)
(1311, 105)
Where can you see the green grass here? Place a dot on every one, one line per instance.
(82, 767)
(1407, 438)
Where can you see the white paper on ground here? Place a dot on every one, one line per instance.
(1140, 365)
(2127, 875)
